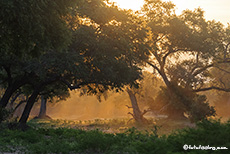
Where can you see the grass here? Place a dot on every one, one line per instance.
(121, 125)
(58, 136)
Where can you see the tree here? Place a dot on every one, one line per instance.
(144, 95)
(23, 39)
(221, 99)
(101, 55)
(137, 114)
(42, 112)
(171, 36)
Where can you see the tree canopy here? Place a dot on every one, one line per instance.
(80, 49)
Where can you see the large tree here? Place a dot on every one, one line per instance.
(203, 45)
(101, 55)
(28, 30)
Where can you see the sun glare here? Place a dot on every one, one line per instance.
(129, 4)
(214, 9)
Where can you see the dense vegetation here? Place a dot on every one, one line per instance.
(67, 140)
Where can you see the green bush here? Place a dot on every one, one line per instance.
(65, 140)
(212, 133)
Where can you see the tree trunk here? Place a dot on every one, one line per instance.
(15, 97)
(27, 109)
(42, 113)
(175, 114)
(6, 97)
(137, 114)
(19, 104)
(165, 78)
(10, 91)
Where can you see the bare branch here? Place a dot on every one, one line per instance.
(130, 120)
(222, 82)
(171, 51)
(208, 66)
(222, 69)
(155, 67)
(202, 69)
(145, 111)
(128, 107)
(131, 114)
(212, 88)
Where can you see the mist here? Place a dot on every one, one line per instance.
(89, 107)
(78, 107)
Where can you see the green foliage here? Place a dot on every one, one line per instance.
(64, 140)
(21, 33)
(212, 133)
(183, 101)
(72, 47)
(72, 42)
(183, 49)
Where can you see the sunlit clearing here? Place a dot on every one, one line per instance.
(129, 4)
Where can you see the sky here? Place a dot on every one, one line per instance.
(218, 10)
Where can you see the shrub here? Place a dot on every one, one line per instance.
(65, 140)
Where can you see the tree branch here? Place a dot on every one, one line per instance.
(77, 86)
(222, 69)
(212, 88)
(128, 107)
(171, 51)
(15, 97)
(70, 86)
(131, 114)
(208, 66)
(202, 69)
(20, 103)
(155, 67)
(145, 111)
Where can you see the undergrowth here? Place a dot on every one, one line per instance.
(69, 140)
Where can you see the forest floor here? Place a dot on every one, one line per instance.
(110, 136)
(161, 126)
